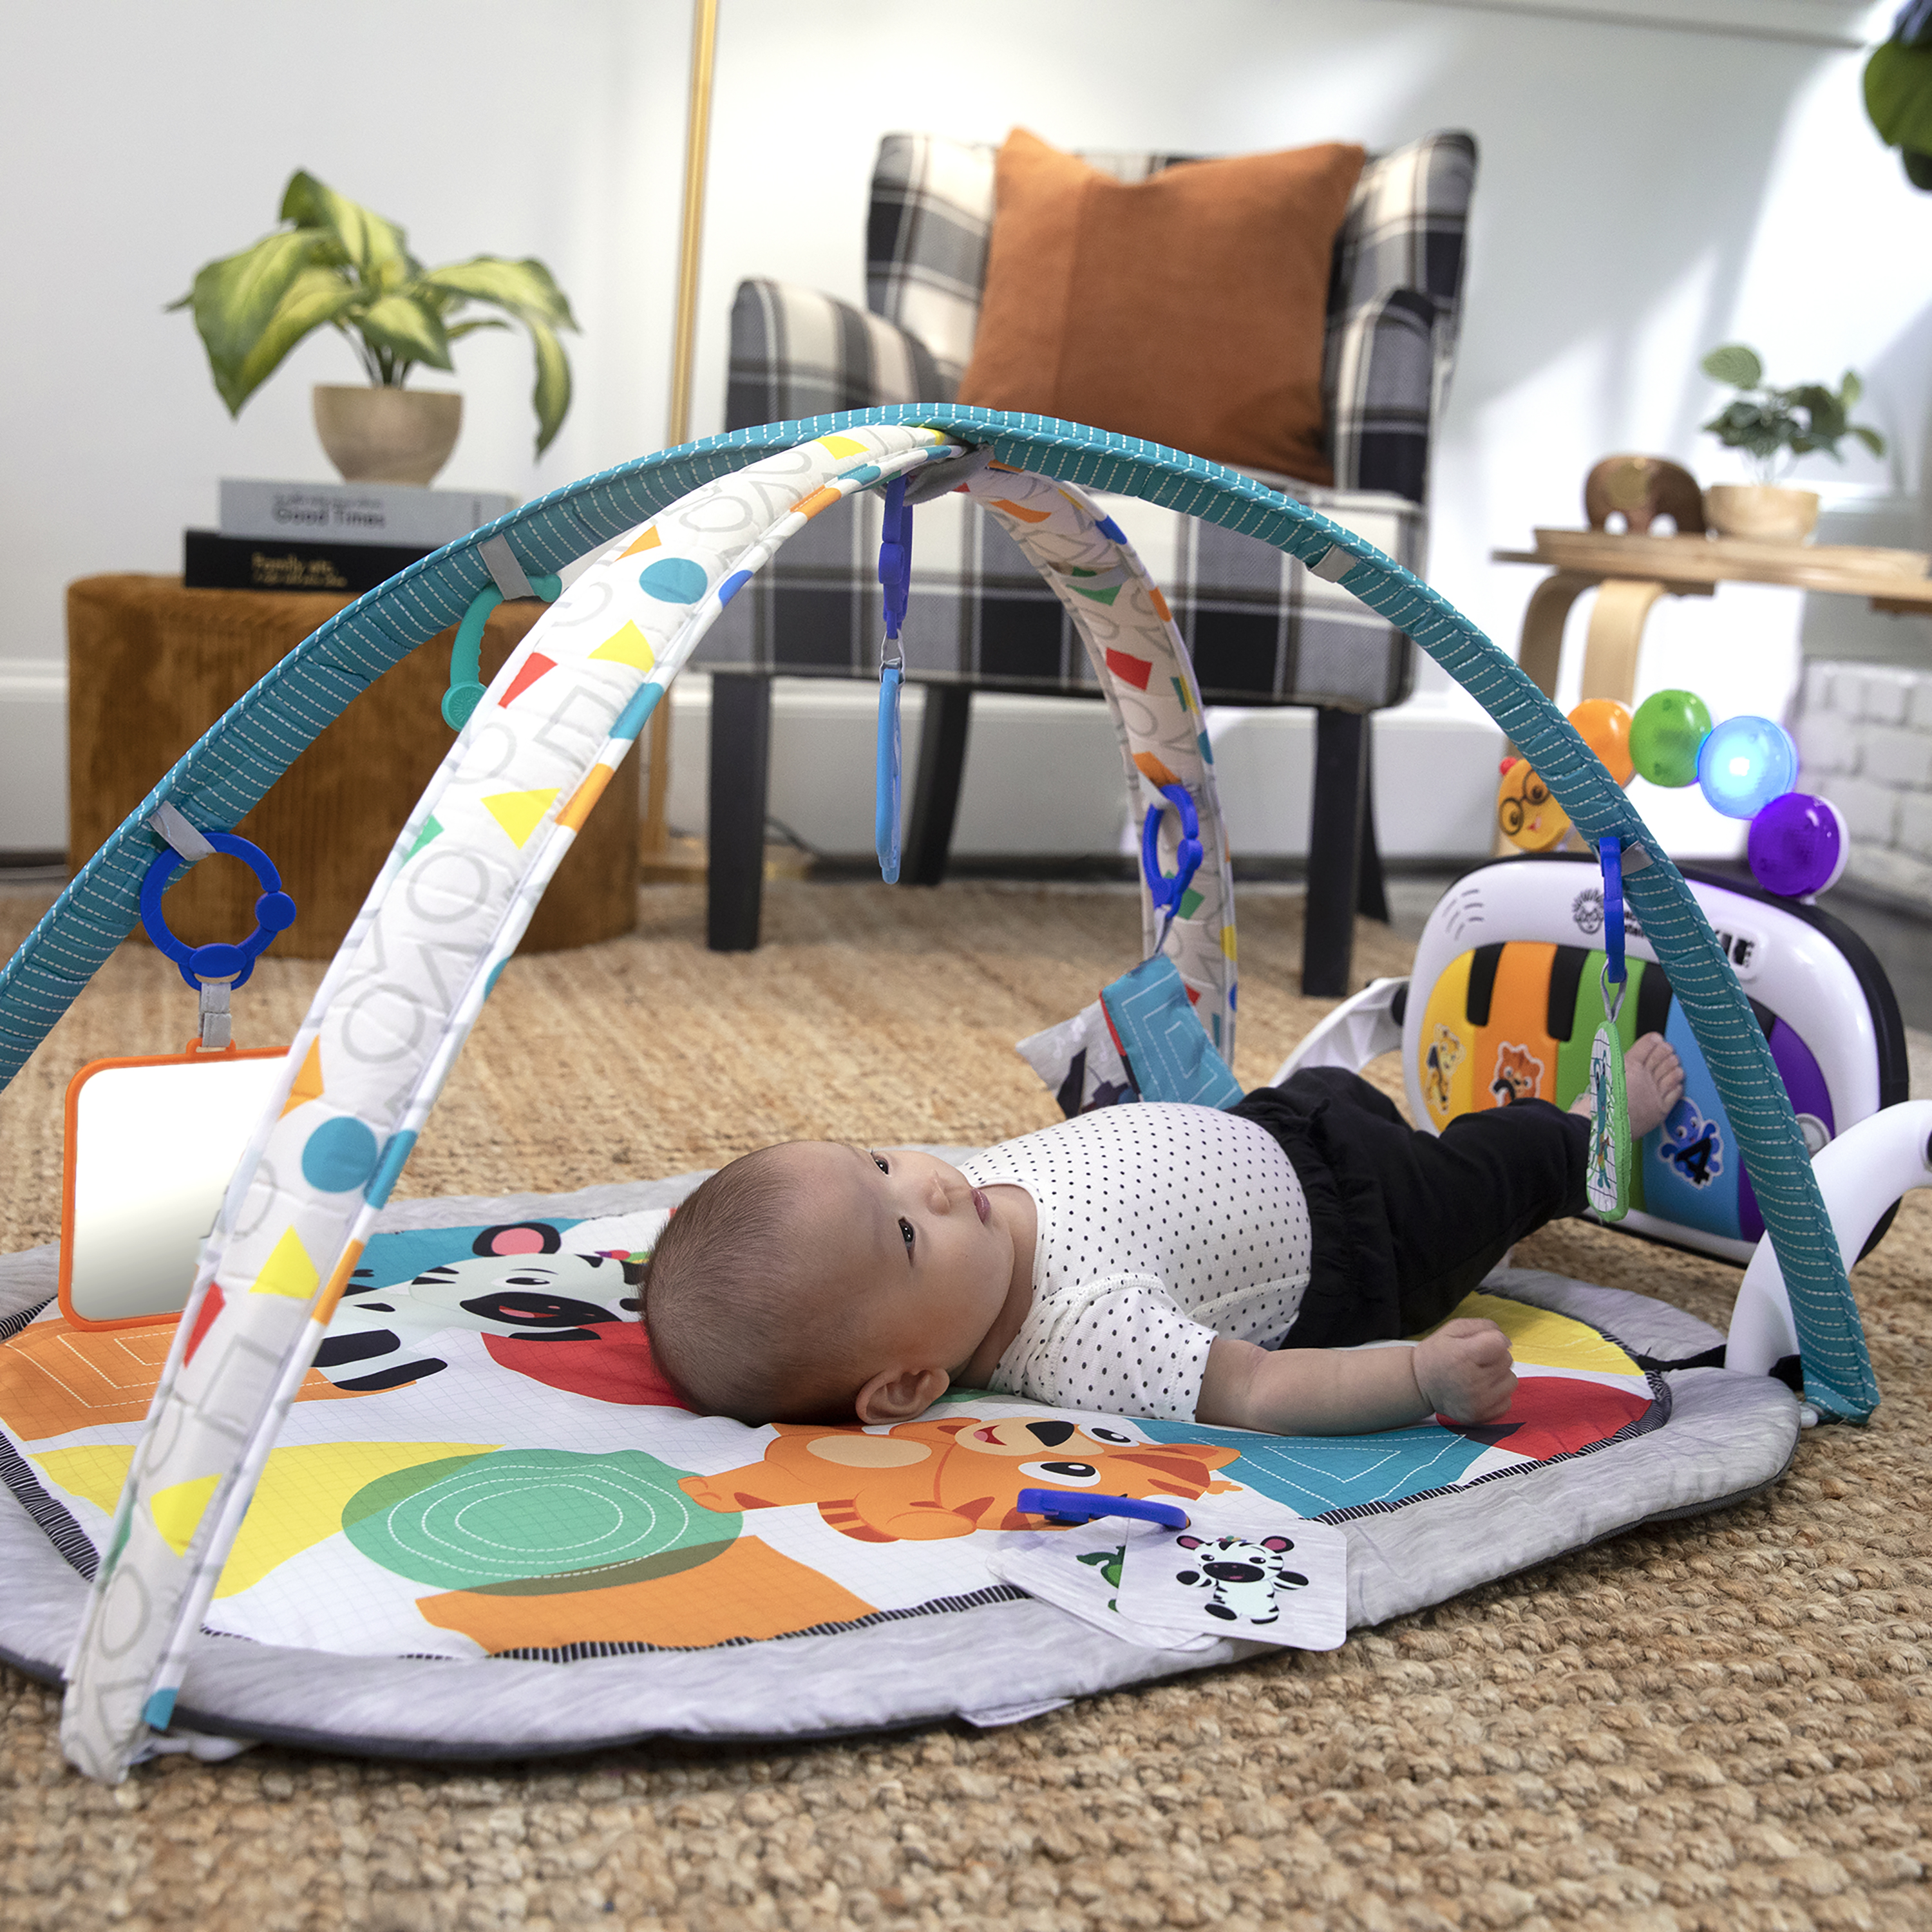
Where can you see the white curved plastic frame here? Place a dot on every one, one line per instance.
(1861, 1173)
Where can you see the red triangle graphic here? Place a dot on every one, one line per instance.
(211, 1305)
(1130, 670)
(535, 666)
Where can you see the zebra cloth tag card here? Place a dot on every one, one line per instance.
(1607, 1172)
(1078, 1571)
(1263, 1576)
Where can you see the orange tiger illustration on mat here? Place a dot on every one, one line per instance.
(1519, 1074)
(923, 1481)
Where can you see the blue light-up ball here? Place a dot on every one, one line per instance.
(1745, 764)
(1798, 845)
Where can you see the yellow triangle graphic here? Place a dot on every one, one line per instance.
(520, 813)
(308, 1081)
(627, 646)
(649, 540)
(288, 1270)
(842, 445)
(179, 1509)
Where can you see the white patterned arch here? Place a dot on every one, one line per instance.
(442, 917)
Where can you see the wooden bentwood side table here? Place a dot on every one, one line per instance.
(1633, 572)
(151, 666)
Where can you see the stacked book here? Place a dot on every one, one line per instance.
(346, 537)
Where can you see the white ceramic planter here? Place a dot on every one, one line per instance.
(375, 435)
(1764, 512)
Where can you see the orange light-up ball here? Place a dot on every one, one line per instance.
(1604, 725)
(1526, 814)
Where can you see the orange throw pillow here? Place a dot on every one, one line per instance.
(1188, 308)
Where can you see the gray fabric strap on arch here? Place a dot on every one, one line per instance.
(505, 572)
(176, 832)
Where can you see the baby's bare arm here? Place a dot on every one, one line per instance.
(1462, 1371)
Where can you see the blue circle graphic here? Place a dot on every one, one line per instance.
(340, 1154)
(673, 580)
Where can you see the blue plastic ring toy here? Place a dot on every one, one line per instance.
(1167, 891)
(275, 912)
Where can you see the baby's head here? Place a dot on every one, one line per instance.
(817, 1281)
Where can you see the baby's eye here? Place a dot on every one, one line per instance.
(905, 1233)
(882, 1164)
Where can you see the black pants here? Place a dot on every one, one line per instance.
(1405, 1223)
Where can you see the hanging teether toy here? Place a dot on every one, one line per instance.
(1606, 1177)
(895, 574)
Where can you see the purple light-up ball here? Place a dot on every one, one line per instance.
(1797, 844)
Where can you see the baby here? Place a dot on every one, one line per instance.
(1208, 1265)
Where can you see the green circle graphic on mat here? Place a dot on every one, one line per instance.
(466, 1523)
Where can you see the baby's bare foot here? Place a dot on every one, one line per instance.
(1653, 1083)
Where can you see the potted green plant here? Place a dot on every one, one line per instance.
(1774, 428)
(336, 264)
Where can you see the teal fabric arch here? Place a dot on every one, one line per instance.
(230, 769)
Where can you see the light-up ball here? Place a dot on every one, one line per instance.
(1745, 763)
(1604, 725)
(1797, 844)
(1665, 734)
(1526, 814)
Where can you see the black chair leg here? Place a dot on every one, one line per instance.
(1334, 849)
(935, 798)
(1371, 893)
(741, 749)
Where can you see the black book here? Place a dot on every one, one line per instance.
(211, 562)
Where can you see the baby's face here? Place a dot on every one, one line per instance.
(907, 1245)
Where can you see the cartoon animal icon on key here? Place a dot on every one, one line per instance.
(1240, 1577)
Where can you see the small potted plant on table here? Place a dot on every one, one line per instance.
(1774, 427)
(337, 264)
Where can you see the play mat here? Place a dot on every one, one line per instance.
(755, 1581)
(319, 1507)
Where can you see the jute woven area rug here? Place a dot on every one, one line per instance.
(1719, 1724)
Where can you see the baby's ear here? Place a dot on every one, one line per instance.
(898, 1395)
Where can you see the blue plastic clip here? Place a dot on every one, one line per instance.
(466, 656)
(1610, 855)
(895, 575)
(896, 557)
(1616, 976)
(1069, 1506)
(275, 912)
(1168, 891)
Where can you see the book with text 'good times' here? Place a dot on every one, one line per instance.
(404, 515)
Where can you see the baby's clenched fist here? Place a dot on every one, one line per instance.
(1463, 1371)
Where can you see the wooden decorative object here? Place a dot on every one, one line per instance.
(1643, 488)
(151, 666)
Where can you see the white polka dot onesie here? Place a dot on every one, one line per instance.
(1161, 1226)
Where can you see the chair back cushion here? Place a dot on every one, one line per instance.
(1189, 308)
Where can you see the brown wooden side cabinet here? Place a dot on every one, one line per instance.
(151, 666)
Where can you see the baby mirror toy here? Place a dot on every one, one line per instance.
(152, 1141)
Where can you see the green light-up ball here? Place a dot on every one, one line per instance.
(1665, 735)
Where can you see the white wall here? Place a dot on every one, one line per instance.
(1645, 192)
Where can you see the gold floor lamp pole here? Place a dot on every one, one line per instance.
(698, 132)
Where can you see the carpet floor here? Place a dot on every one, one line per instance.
(1716, 1724)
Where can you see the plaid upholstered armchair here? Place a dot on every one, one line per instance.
(1262, 629)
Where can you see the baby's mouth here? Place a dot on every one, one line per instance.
(982, 1206)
